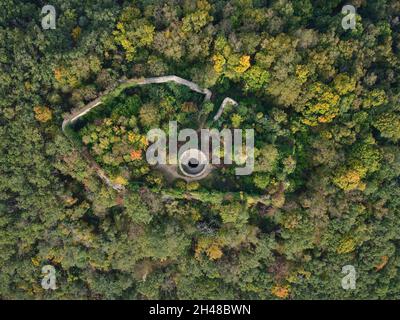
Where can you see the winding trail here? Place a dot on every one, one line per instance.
(193, 86)
(123, 84)
(132, 82)
(226, 101)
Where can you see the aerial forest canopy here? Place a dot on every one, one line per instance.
(324, 103)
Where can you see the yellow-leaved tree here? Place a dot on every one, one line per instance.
(133, 32)
(42, 114)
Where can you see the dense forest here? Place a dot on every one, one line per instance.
(324, 103)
